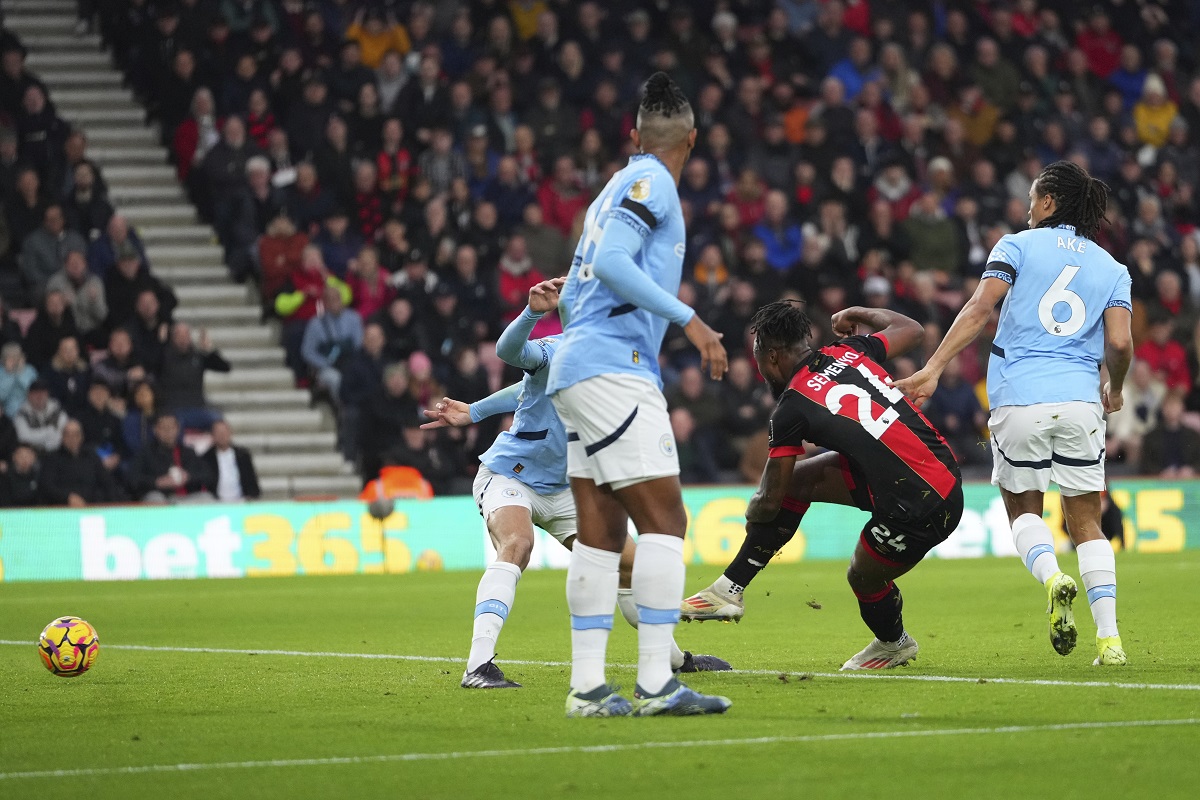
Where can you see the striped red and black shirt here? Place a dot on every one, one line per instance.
(840, 399)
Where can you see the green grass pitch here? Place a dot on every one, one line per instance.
(354, 727)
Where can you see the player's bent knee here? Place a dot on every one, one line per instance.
(516, 550)
(854, 578)
(867, 579)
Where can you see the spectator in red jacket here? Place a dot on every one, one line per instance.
(1100, 43)
(518, 275)
(394, 163)
(369, 283)
(1166, 357)
(561, 195)
(749, 195)
(197, 134)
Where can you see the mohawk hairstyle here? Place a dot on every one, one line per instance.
(1079, 199)
(661, 95)
(665, 117)
(782, 323)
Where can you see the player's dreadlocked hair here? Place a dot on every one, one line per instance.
(1079, 199)
(782, 324)
(661, 95)
(665, 117)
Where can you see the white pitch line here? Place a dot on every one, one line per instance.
(895, 676)
(594, 748)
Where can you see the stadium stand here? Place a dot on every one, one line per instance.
(415, 167)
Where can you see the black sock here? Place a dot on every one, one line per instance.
(763, 541)
(883, 613)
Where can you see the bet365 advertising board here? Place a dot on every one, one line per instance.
(263, 539)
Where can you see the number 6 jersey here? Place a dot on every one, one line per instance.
(1050, 341)
(840, 399)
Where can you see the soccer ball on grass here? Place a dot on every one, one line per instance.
(68, 646)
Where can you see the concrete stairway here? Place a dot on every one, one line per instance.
(293, 443)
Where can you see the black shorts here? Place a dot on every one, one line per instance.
(902, 542)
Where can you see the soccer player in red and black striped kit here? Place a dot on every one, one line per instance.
(883, 457)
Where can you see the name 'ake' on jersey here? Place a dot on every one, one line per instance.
(603, 333)
(1050, 341)
(841, 399)
(534, 449)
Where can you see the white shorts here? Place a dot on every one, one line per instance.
(553, 513)
(1060, 442)
(618, 430)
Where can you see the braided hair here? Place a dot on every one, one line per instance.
(662, 96)
(1079, 199)
(782, 323)
(664, 118)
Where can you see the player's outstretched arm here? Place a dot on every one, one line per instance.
(513, 347)
(1118, 353)
(967, 325)
(899, 333)
(451, 413)
(772, 488)
(613, 265)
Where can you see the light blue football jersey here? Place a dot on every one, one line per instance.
(534, 449)
(1050, 341)
(604, 333)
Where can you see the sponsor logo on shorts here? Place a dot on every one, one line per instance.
(667, 445)
(512, 493)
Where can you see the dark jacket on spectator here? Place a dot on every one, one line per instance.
(181, 378)
(361, 376)
(148, 345)
(102, 430)
(115, 372)
(43, 336)
(10, 331)
(246, 472)
(401, 342)
(1162, 448)
(69, 387)
(41, 138)
(121, 295)
(102, 253)
(225, 168)
(305, 128)
(306, 209)
(21, 489)
(87, 215)
(64, 474)
(381, 429)
(154, 460)
(8, 437)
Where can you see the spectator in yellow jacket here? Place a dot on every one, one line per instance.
(376, 34)
(1153, 113)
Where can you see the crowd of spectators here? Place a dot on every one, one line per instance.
(395, 175)
(97, 378)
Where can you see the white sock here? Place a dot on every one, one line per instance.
(658, 578)
(1098, 568)
(1035, 543)
(728, 587)
(493, 599)
(628, 608)
(591, 595)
